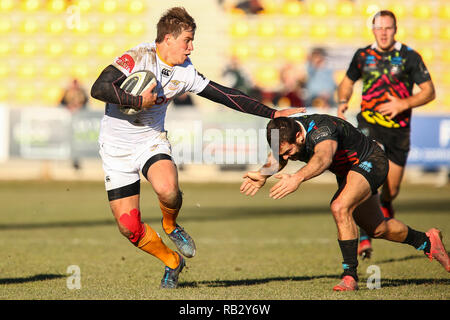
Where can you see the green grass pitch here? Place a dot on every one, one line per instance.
(247, 248)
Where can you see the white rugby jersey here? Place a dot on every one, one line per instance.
(121, 129)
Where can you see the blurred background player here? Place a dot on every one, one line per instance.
(326, 142)
(389, 70)
(138, 143)
(320, 84)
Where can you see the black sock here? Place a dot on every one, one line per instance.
(363, 235)
(349, 249)
(418, 240)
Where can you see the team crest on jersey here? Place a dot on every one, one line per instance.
(174, 84)
(166, 72)
(126, 62)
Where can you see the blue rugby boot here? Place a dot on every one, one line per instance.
(170, 278)
(183, 241)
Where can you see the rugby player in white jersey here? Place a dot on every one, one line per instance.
(130, 144)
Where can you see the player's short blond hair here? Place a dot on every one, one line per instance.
(174, 21)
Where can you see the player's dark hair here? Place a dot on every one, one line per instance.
(385, 13)
(287, 130)
(174, 21)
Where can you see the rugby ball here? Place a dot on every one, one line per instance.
(135, 84)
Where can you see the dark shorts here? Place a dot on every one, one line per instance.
(374, 168)
(395, 142)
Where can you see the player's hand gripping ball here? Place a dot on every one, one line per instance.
(135, 84)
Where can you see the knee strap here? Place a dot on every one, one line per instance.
(133, 223)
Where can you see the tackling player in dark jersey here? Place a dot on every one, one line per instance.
(389, 70)
(325, 143)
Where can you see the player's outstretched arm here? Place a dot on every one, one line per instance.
(107, 88)
(255, 180)
(239, 101)
(319, 162)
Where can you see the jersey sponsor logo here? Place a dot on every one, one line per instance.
(166, 72)
(126, 62)
(366, 165)
(371, 61)
(320, 133)
(374, 117)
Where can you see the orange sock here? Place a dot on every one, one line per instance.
(169, 218)
(152, 243)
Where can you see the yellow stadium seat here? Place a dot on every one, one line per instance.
(83, 5)
(135, 28)
(319, 31)
(136, 6)
(292, 8)
(80, 72)
(30, 5)
(267, 77)
(346, 31)
(108, 27)
(424, 32)
(108, 50)
(4, 71)
(399, 9)
(445, 78)
(446, 101)
(446, 55)
(240, 29)
(56, 6)
(444, 11)
(401, 34)
(5, 26)
(270, 7)
(318, 9)
(295, 53)
(427, 54)
(345, 8)
(52, 94)
(25, 93)
(26, 71)
(54, 71)
(368, 34)
(370, 8)
(81, 26)
(293, 30)
(56, 26)
(267, 52)
(241, 51)
(109, 6)
(266, 29)
(28, 48)
(4, 94)
(5, 48)
(81, 48)
(29, 26)
(422, 11)
(54, 49)
(445, 32)
(6, 5)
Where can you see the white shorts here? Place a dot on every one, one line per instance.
(122, 165)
